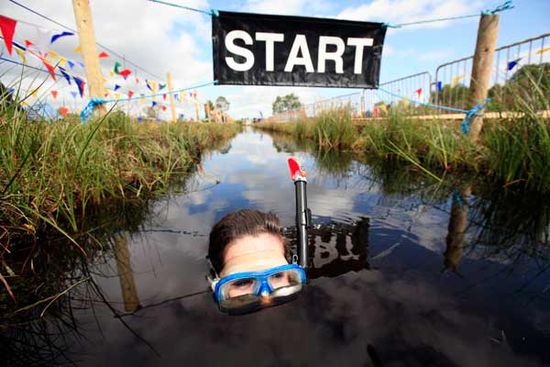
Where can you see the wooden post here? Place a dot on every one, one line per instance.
(482, 67)
(171, 96)
(458, 222)
(83, 19)
(196, 106)
(126, 274)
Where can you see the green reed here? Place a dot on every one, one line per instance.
(51, 172)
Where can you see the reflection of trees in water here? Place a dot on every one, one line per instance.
(36, 330)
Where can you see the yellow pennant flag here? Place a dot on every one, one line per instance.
(52, 55)
(141, 100)
(117, 95)
(21, 54)
(154, 86)
(111, 73)
(543, 50)
(382, 107)
(62, 62)
(456, 80)
(77, 49)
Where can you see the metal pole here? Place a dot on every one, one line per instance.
(302, 222)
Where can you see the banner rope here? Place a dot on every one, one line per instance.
(464, 125)
(212, 12)
(89, 108)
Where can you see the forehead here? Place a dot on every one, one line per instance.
(246, 245)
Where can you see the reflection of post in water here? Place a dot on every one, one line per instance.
(338, 248)
(457, 228)
(125, 274)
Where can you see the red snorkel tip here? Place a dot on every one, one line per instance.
(295, 170)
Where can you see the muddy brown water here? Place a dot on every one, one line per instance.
(406, 273)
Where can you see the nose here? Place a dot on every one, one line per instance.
(265, 298)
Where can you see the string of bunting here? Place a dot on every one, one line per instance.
(89, 109)
(465, 124)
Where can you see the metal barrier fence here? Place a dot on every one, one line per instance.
(450, 87)
(452, 79)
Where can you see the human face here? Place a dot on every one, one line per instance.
(254, 253)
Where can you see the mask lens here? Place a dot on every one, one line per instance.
(240, 287)
(287, 279)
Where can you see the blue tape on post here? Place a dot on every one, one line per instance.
(89, 109)
(474, 111)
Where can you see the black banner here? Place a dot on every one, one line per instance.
(262, 49)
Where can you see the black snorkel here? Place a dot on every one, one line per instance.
(303, 214)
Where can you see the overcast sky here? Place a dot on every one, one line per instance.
(161, 39)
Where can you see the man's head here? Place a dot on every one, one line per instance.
(247, 240)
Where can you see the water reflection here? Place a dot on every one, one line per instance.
(377, 295)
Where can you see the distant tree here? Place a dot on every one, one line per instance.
(152, 112)
(530, 85)
(208, 107)
(222, 104)
(286, 103)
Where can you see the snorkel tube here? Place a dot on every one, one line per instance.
(303, 214)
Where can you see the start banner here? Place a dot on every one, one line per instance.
(257, 49)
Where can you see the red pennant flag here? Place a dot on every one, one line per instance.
(28, 43)
(419, 92)
(103, 55)
(54, 94)
(125, 73)
(7, 28)
(130, 94)
(63, 111)
(50, 67)
(164, 96)
(163, 107)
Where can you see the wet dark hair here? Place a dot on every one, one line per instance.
(244, 222)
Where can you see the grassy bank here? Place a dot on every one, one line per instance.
(511, 152)
(52, 173)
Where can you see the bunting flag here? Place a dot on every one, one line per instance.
(52, 55)
(383, 108)
(153, 104)
(117, 95)
(130, 94)
(148, 85)
(512, 64)
(74, 94)
(21, 54)
(543, 50)
(77, 49)
(439, 86)
(71, 64)
(162, 86)
(7, 28)
(63, 111)
(176, 97)
(111, 73)
(54, 94)
(117, 87)
(456, 80)
(125, 73)
(103, 55)
(57, 36)
(164, 96)
(62, 62)
(81, 64)
(80, 84)
(65, 75)
(28, 43)
(115, 69)
(163, 107)
(137, 80)
(50, 67)
(418, 92)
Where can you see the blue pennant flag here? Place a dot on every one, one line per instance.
(117, 87)
(57, 36)
(439, 86)
(512, 64)
(74, 94)
(65, 75)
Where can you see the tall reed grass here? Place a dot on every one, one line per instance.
(51, 172)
